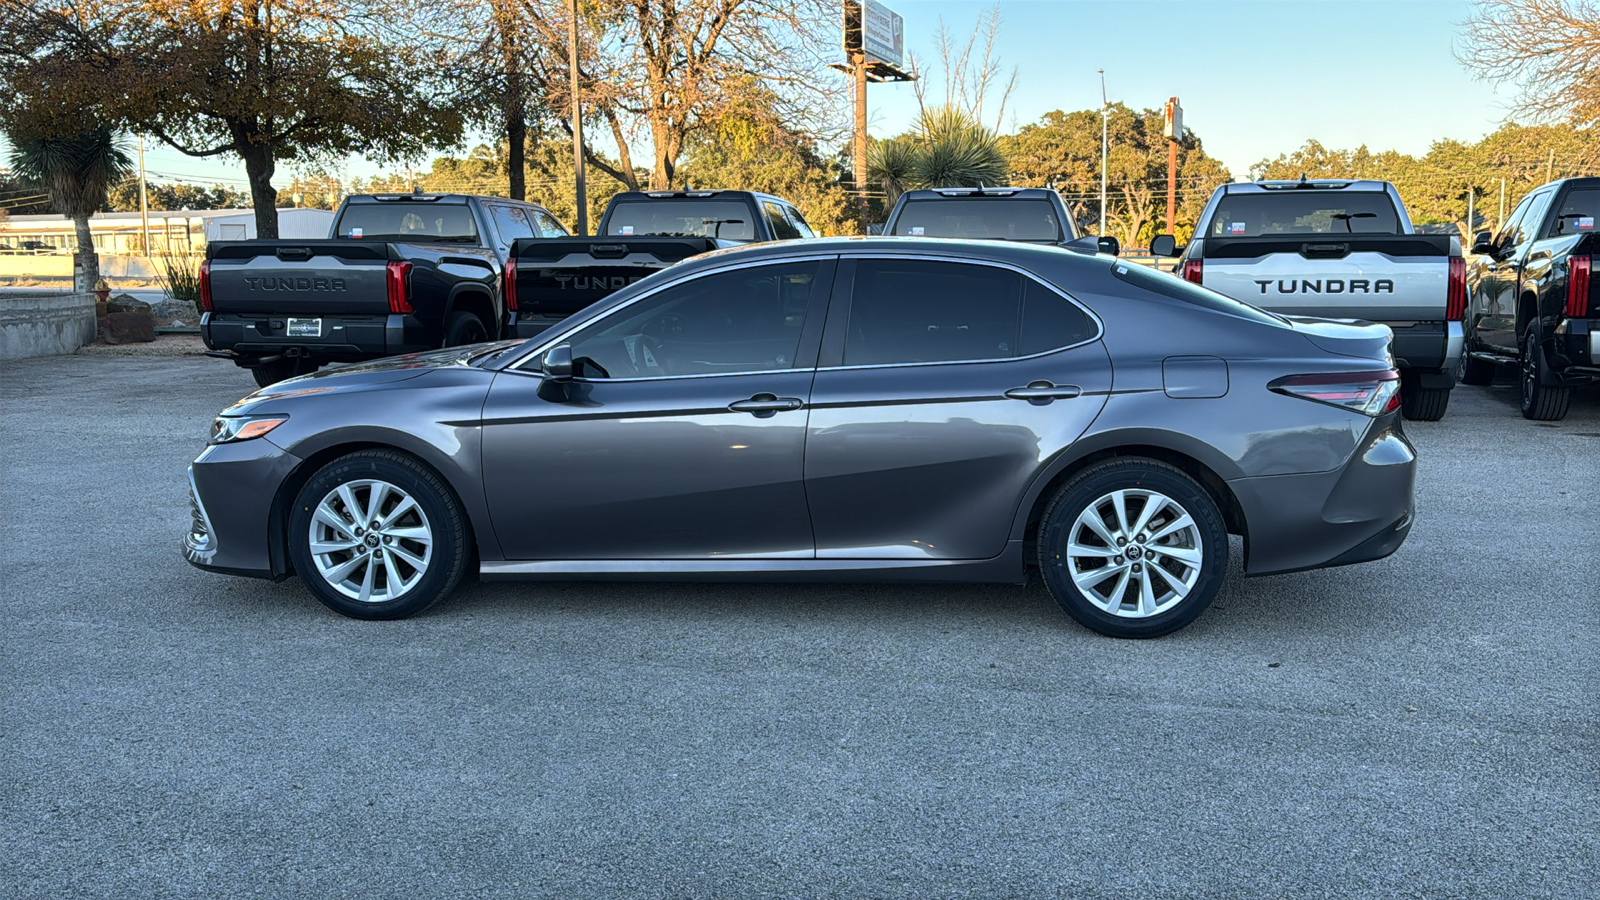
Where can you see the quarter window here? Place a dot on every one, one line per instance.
(924, 311)
(737, 321)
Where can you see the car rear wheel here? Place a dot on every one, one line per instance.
(378, 535)
(1541, 401)
(1420, 404)
(1133, 548)
(464, 328)
(1476, 371)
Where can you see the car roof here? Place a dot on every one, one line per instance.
(429, 197)
(697, 194)
(968, 192)
(1034, 257)
(1311, 184)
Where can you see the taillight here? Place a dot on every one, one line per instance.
(1578, 287)
(1369, 393)
(399, 282)
(511, 285)
(1194, 270)
(1455, 306)
(205, 285)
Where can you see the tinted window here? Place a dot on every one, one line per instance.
(1187, 291)
(998, 218)
(1578, 212)
(782, 230)
(1531, 220)
(512, 222)
(1508, 230)
(1297, 211)
(744, 320)
(688, 217)
(919, 311)
(549, 225)
(407, 221)
(799, 222)
(1050, 321)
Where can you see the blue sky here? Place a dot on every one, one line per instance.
(1256, 78)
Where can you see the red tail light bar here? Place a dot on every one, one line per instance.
(1455, 308)
(511, 285)
(205, 285)
(1194, 270)
(399, 282)
(1578, 287)
(1369, 393)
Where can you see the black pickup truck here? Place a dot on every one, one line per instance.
(399, 273)
(1031, 215)
(640, 233)
(1532, 300)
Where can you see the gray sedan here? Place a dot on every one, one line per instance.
(852, 409)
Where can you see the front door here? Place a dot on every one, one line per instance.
(945, 387)
(682, 433)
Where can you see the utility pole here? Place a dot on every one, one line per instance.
(1174, 119)
(1472, 194)
(1105, 116)
(1550, 166)
(1500, 220)
(858, 152)
(577, 123)
(144, 206)
(874, 48)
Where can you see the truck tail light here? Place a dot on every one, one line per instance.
(1455, 306)
(511, 285)
(1369, 393)
(399, 281)
(205, 285)
(1578, 287)
(1194, 270)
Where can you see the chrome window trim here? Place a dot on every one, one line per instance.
(1100, 325)
(1100, 329)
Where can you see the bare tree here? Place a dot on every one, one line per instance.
(1548, 48)
(970, 73)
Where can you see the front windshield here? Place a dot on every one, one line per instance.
(1300, 211)
(409, 221)
(729, 220)
(980, 218)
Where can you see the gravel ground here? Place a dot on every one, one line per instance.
(1422, 726)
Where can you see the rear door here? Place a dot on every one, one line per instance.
(943, 387)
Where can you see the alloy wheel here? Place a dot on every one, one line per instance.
(1134, 553)
(370, 541)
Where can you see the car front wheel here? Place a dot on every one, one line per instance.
(378, 535)
(1133, 548)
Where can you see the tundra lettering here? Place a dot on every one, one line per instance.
(294, 284)
(590, 283)
(1330, 286)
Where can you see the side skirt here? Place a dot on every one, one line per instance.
(1007, 568)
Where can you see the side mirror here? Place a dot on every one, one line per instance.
(557, 363)
(1109, 244)
(1482, 242)
(1163, 245)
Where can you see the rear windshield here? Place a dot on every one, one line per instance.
(1294, 211)
(992, 218)
(1577, 214)
(730, 220)
(1176, 288)
(407, 221)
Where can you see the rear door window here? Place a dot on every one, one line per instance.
(512, 222)
(782, 228)
(549, 225)
(799, 222)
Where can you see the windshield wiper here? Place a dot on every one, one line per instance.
(1346, 217)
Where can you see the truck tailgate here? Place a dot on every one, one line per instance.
(322, 277)
(559, 276)
(1385, 278)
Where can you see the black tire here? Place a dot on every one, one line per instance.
(440, 513)
(1092, 487)
(464, 328)
(1420, 404)
(284, 367)
(1541, 401)
(1477, 371)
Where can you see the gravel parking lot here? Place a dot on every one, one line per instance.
(1421, 726)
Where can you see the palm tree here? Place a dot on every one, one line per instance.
(946, 148)
(78, 171)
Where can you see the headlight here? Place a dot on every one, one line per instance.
(227, 429)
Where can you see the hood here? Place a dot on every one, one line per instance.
(1346, 337)
(369, 374)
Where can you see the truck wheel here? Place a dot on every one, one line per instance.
(1133, 548)
(1476, 371)
(1541, 402)
(464, 328)
(378, 535)
(1420, 404)
(269, 373)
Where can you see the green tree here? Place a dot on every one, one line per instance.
(946, 148)
(124, 197)
(78, 172)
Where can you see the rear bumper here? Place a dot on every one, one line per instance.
(344, 338)
(1363, 509)
(1428, 346)
(1574, 351)
(231, 492)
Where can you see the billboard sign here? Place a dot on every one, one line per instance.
(873, 29)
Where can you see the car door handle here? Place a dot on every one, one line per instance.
(1044, 390)
(766, 404)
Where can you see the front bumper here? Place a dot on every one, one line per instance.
(232, 488)
(1363, 509)
(343, 338)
